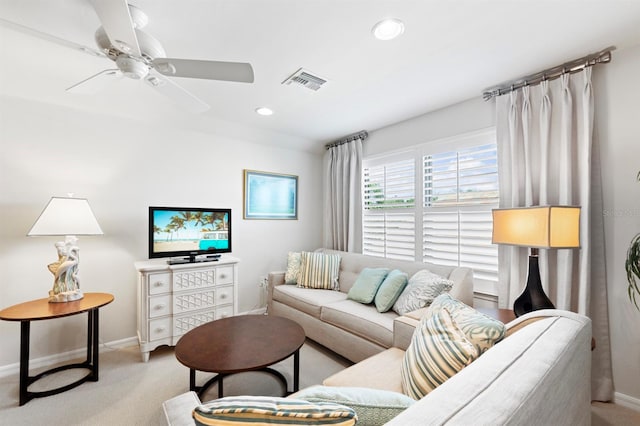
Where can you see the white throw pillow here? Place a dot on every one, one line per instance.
(423, 287)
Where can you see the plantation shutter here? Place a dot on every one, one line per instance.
(460, 189)
(389, 210)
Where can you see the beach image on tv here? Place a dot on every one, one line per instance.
(175, 230)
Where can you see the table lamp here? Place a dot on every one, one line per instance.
(536, 227)
(68, 217)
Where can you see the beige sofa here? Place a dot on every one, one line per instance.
(540, 374)
(351, 329)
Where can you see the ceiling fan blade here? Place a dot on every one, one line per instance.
(49, 37)
(95, 83)
(209, 70)
(116, 21)
(176, 93)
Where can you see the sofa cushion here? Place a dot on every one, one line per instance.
(374, 407)
(480, 329)
(423, 287)
(319, 270)
(307, 300)
(363, 320)
(438, 350)
(390, 290)
(252, 410)
(293, 268)
(380, 371)
(366, 286)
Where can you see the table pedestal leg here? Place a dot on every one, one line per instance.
(25, 327)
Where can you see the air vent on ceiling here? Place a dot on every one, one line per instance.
(306, 79)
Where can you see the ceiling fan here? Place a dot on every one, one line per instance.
(139, 56)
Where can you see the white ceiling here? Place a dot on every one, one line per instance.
(450, 51)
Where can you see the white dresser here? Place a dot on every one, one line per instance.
(173, 299)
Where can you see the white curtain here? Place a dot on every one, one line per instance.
(342, 206)
(547, 156)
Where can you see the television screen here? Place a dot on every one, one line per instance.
(178, 231)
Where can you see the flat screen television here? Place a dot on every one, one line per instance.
(189, 234)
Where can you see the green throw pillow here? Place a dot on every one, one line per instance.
(319, 270)
(366, 285)
(481, 330)
(293, 268)
(373, 406)
(252, 410)
(438, 350)
(390, 290)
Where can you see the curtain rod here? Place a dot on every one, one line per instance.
(601, 57)
(362, 134)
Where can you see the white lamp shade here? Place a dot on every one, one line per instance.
(66, 216)
(541, 227)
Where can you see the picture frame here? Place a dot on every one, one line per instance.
(270, 195)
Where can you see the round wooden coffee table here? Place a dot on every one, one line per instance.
(239, 344)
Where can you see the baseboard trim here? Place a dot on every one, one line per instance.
(49, 360)
(259, 311)
(626, 401)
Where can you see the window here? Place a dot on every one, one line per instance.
(389, 206)
(434, 203)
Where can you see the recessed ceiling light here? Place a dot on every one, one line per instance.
(264, 111)
(388, 29)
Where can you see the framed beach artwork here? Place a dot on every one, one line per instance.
(270, 195)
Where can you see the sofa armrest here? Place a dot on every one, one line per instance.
(273, 279)
(403, 328)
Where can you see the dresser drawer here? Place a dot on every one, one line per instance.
(224, 275)
(159, 283)
(159, 328)
(186, 322)
(193, 300)
(224, 311)
(224, 295)
(190, 280)
(159, 306)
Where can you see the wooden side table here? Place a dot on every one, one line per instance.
(502, 315)
(41, 309)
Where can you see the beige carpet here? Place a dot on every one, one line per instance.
(131, 392)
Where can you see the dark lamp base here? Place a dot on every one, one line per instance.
(533, 297)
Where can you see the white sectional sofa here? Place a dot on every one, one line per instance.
(351, 329)
(540, 374)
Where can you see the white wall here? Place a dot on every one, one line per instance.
(122, 167)
(468, 116)
(617, 88)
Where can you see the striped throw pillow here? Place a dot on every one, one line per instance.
(480, 329)
(319, 270)
(438, 350)
(262, 410)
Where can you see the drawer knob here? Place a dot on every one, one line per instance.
(159, 306)
(158, 284)
(160, 329)
(223, 296)
(223, 276)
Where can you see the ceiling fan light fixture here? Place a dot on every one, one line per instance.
(264, 111)
(388, 29)
(132, 68)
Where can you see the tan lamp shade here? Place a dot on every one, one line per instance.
(541, 227)
(66, 216)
